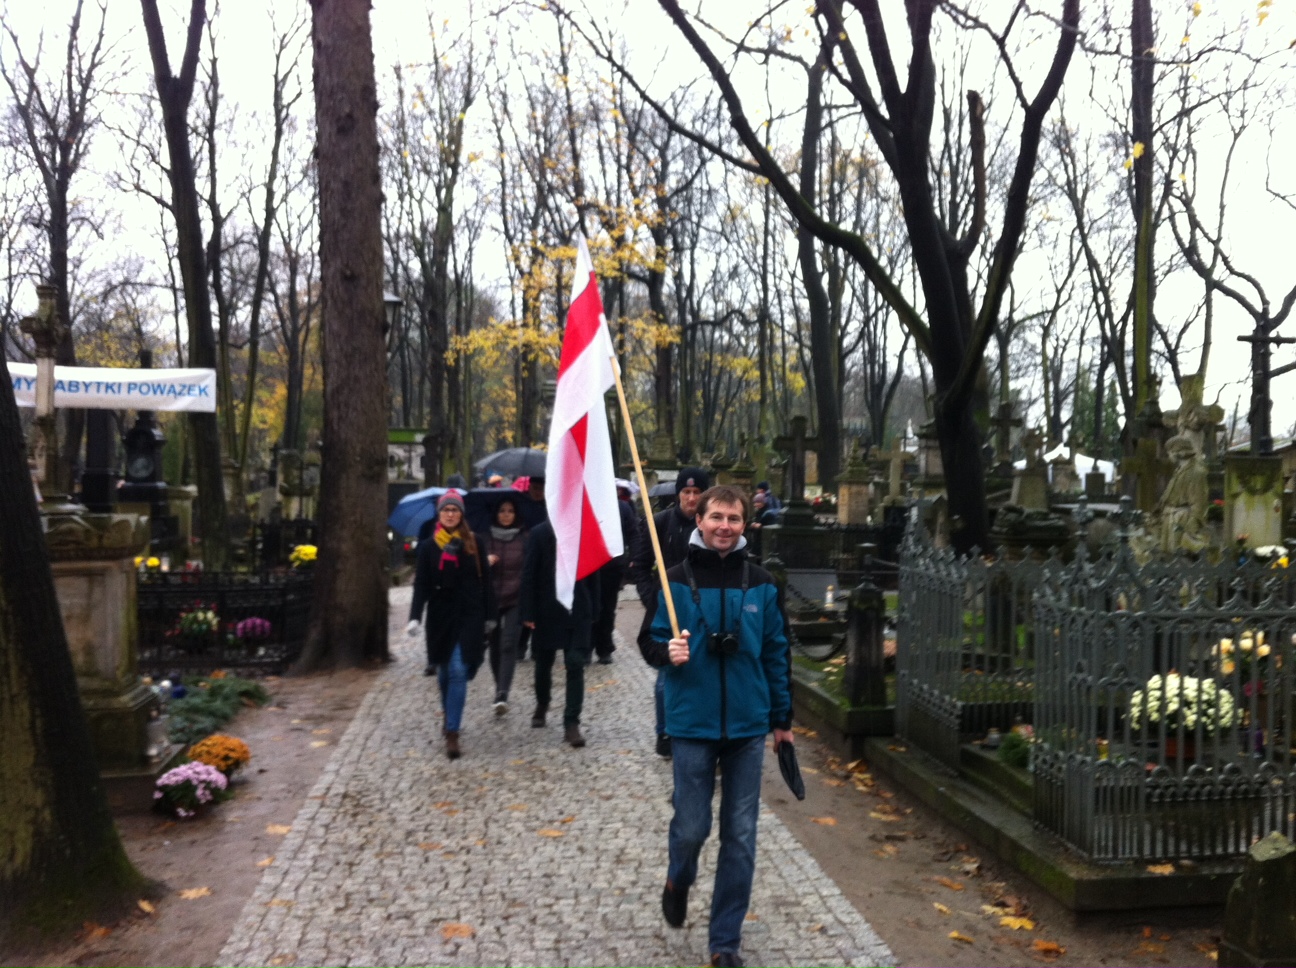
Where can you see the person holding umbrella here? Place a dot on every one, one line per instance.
(452, 583)
(728, 679)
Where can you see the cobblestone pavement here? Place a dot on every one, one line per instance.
(523, 852)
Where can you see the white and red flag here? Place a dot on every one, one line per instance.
(580, 481)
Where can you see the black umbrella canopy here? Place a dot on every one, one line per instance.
(514, 462)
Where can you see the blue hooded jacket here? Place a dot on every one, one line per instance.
(712, 696)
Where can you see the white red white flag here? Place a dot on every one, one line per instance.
(580, 482)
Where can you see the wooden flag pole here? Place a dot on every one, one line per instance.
(643, 493)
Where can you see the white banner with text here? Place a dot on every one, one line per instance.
(111, 388)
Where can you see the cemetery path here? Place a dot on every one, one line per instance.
(524, 852)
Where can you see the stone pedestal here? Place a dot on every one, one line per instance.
(1253, 493)
(1030, 488)
(94, 577)
(1095, 486)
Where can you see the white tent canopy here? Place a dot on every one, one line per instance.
(1083, 462)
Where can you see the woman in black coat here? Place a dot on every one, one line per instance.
(452, 580)
(556, 629)
(504, 545)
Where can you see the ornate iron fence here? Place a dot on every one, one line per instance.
(261, 620)
(1162, 695)
(965, 645)
(1164, 706)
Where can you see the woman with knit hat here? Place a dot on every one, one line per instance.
(452, 581)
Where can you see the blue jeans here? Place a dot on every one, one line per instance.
(452, 677)
(659, 700)
(740, 781)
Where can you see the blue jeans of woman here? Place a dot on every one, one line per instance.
(452, 677)
(740, 782)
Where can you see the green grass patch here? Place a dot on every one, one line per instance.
(828, 676)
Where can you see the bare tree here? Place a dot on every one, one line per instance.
(58, 118)
(175, 92)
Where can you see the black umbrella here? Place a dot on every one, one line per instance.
(514, 462)
(479, 509)
(664, 489)
(790, 770)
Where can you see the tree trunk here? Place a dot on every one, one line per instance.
(1142, 79)
(349, 619)
(61, 857)
(174, 95)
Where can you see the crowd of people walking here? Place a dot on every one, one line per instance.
(723, 672)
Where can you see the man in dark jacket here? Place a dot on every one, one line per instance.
(728, 683)
(554, 629)
(674, 525)
(611, 576)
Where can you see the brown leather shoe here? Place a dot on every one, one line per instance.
(538, 717)
(573, 735)
(452, 744)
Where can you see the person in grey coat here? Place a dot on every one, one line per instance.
(554, 629)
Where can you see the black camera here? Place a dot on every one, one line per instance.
(726, 643)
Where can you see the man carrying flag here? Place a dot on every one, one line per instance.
(580, 491)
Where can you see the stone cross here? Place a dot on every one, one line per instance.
(1004, 422)
(47, 331)
(795, 446)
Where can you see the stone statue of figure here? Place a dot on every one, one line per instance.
(1194, 419)
(1181, 512)
(1033, 444)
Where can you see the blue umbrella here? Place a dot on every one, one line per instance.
(414, 509)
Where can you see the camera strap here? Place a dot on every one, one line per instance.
(697, 595)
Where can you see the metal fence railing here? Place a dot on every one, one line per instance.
(1162, 695)
(261, 620)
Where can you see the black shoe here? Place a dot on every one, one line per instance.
(429, 670)
(726, 959)
(538, 717)
(675, 904)
(664, 746)
(573, 735)
(605, 659)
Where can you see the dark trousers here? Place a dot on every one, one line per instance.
(610, 578)
(576, 662)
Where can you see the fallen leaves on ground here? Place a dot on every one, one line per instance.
(430, 845)
(516, 806)
(567, 819)
(810, 769)
(1160, 869)
(550, 832)
(898, 749)
(91, 931)
(803, 731)
(442, 804)
(282, 902)
(943, 909)
(1047, 949)
(316, 744)
(145, 906)
(1016, 924)
(886, 813)
(824, 821)
(265, 862)
(278, 828)
(887, 851)
(1149, 948)
(949, 882)
(960, 936)
(834, 783)
(322, 731)
(193, 893)
(457, 930)
(752, 917)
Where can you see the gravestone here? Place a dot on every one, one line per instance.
(1065, 479)
(896, 458)
(1253, 493)
(796, 540)
(854, 489)
(1260, 918)
(930, 482)
(1030, 483)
